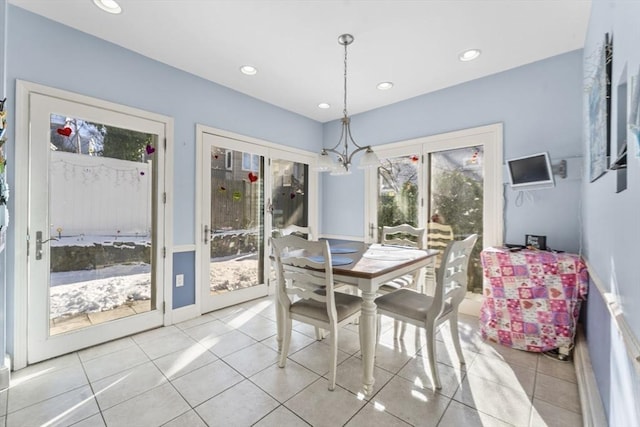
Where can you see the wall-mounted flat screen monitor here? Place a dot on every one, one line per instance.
(531, 172)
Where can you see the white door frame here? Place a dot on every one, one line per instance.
(24, 90)
(491, 138)
(272, 150)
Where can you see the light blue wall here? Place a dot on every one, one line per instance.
(611, 231)
(540, 107)
(184, 263)
(44, 52)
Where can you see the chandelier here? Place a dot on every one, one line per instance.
(341, 165)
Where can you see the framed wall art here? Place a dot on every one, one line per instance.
(634, 109)
(600, 112)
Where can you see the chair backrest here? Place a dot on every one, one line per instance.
(296, 230)
(451, 278)
(438, 237)
(294, 256)
(404, 235)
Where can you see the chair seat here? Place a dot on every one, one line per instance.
(409, 304)
(346, 305)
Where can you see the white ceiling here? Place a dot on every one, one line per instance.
(294, 45)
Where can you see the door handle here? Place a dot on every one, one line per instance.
(39, 243)
(206, 234)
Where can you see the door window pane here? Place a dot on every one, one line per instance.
(398, 191)
(237, 220)
(101, 182)
(289, 194)
(456, 202)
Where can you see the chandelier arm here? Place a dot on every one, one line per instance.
(355, 152)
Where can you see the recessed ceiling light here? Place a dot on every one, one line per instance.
(469, 55)
(248, 70)
(385, 85)
(110, 6)
(324, 105)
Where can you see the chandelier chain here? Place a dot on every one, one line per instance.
(345, 80)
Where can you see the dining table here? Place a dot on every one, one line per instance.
(368, 266)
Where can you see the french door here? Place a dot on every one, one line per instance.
(449, 184)
(96, 224)
(249, 189)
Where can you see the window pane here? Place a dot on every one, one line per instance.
(237, 220)
(398, 191)
(456, 201)
(101, 217)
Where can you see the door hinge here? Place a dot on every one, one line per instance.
(164, 197)
(28, 242)
(165, 144)
(164, 307)
(164, 252)
(423, 159)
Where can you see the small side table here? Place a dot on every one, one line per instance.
(532, 298)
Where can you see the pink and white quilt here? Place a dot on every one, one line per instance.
(531, 298)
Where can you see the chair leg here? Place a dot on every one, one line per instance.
(396, 328)
(455, 336)
(399, 328)
(403, 329)
(285, 343)
(431, 354)
(333, 357)
(319, 334)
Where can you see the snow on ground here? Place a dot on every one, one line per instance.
(89, 240)
(89, 291)
(93, 295)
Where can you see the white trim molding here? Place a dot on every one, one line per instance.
(593, 414)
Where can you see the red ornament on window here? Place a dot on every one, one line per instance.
(65, 131)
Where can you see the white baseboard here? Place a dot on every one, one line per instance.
(471, 304)
(184, 313)
(593, 414)
(5, 373)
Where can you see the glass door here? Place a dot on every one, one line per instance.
(233, 258)
(450, 184)
(250, 191)
(95, 264)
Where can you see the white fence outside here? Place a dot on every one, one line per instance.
(99, 196)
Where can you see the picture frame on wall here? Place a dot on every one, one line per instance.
(634, 109)
(600, 112)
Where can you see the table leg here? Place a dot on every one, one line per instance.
(368, 323)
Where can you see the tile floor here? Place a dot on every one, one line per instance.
(220, 370)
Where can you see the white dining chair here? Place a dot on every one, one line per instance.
(427, 311)
(297, 230)
(438, 237)
(407, 236)
(310, 298)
